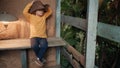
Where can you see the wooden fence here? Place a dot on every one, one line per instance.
(107, 31)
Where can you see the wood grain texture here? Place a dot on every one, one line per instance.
(9, 32)
(15, 7)
(107, 31)
(49, 56)
(25, 43)
(75, 64)
(71, 58)
(11, 58)
(92, 17)
(79, 57)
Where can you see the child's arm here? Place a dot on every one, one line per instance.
(49, 12)
(25, 11)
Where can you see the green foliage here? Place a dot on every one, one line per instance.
(69, 34)
(108, 13)
(65, 63)
(76, 8)
(107, 53)
(73, 36)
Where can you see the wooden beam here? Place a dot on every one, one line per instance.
(25, 43)
(92, 15)
(58, 19)
(58, 55)
(107, 31)
(70, 58)
(75, 64)
(75, 21)
(66, 55)
(110, 32)
(24, 59)
(79, 57)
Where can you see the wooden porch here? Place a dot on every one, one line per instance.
(16, 53)
(20, 49)
(22, 52)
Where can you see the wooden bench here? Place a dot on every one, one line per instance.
(23, 44)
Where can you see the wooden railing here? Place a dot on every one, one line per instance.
(76, 59)
(107, 31)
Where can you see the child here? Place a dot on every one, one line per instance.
(37, 13)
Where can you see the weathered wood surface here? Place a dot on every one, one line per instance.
(14, 57)
(107, 31)
(25, 43)
(15, 8)
(71, 53)
(58, 17)
(92, 20)
(74, 21)
(67, 55)
(10, 59)
(11, 31)
(79, 57)
(74, 59)
(58, 32)
(75, 64)
(110, 32)
(14, 29)
(49, 56)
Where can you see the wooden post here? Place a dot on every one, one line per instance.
(58, 19)
(92, 15)
(23, 58)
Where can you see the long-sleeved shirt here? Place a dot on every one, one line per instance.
(37, 23)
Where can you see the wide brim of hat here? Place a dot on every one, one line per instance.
(37, 5)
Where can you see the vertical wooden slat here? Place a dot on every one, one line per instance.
(58, 19)
(23, 58)
(58, 55)
(92, 15)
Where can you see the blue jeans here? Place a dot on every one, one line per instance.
(39, 45)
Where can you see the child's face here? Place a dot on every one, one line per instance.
(39, 13)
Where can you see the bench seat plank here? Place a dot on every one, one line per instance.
(25, 43)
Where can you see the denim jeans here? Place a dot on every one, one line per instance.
(39, 46)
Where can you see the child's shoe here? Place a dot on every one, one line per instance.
(38, 63)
